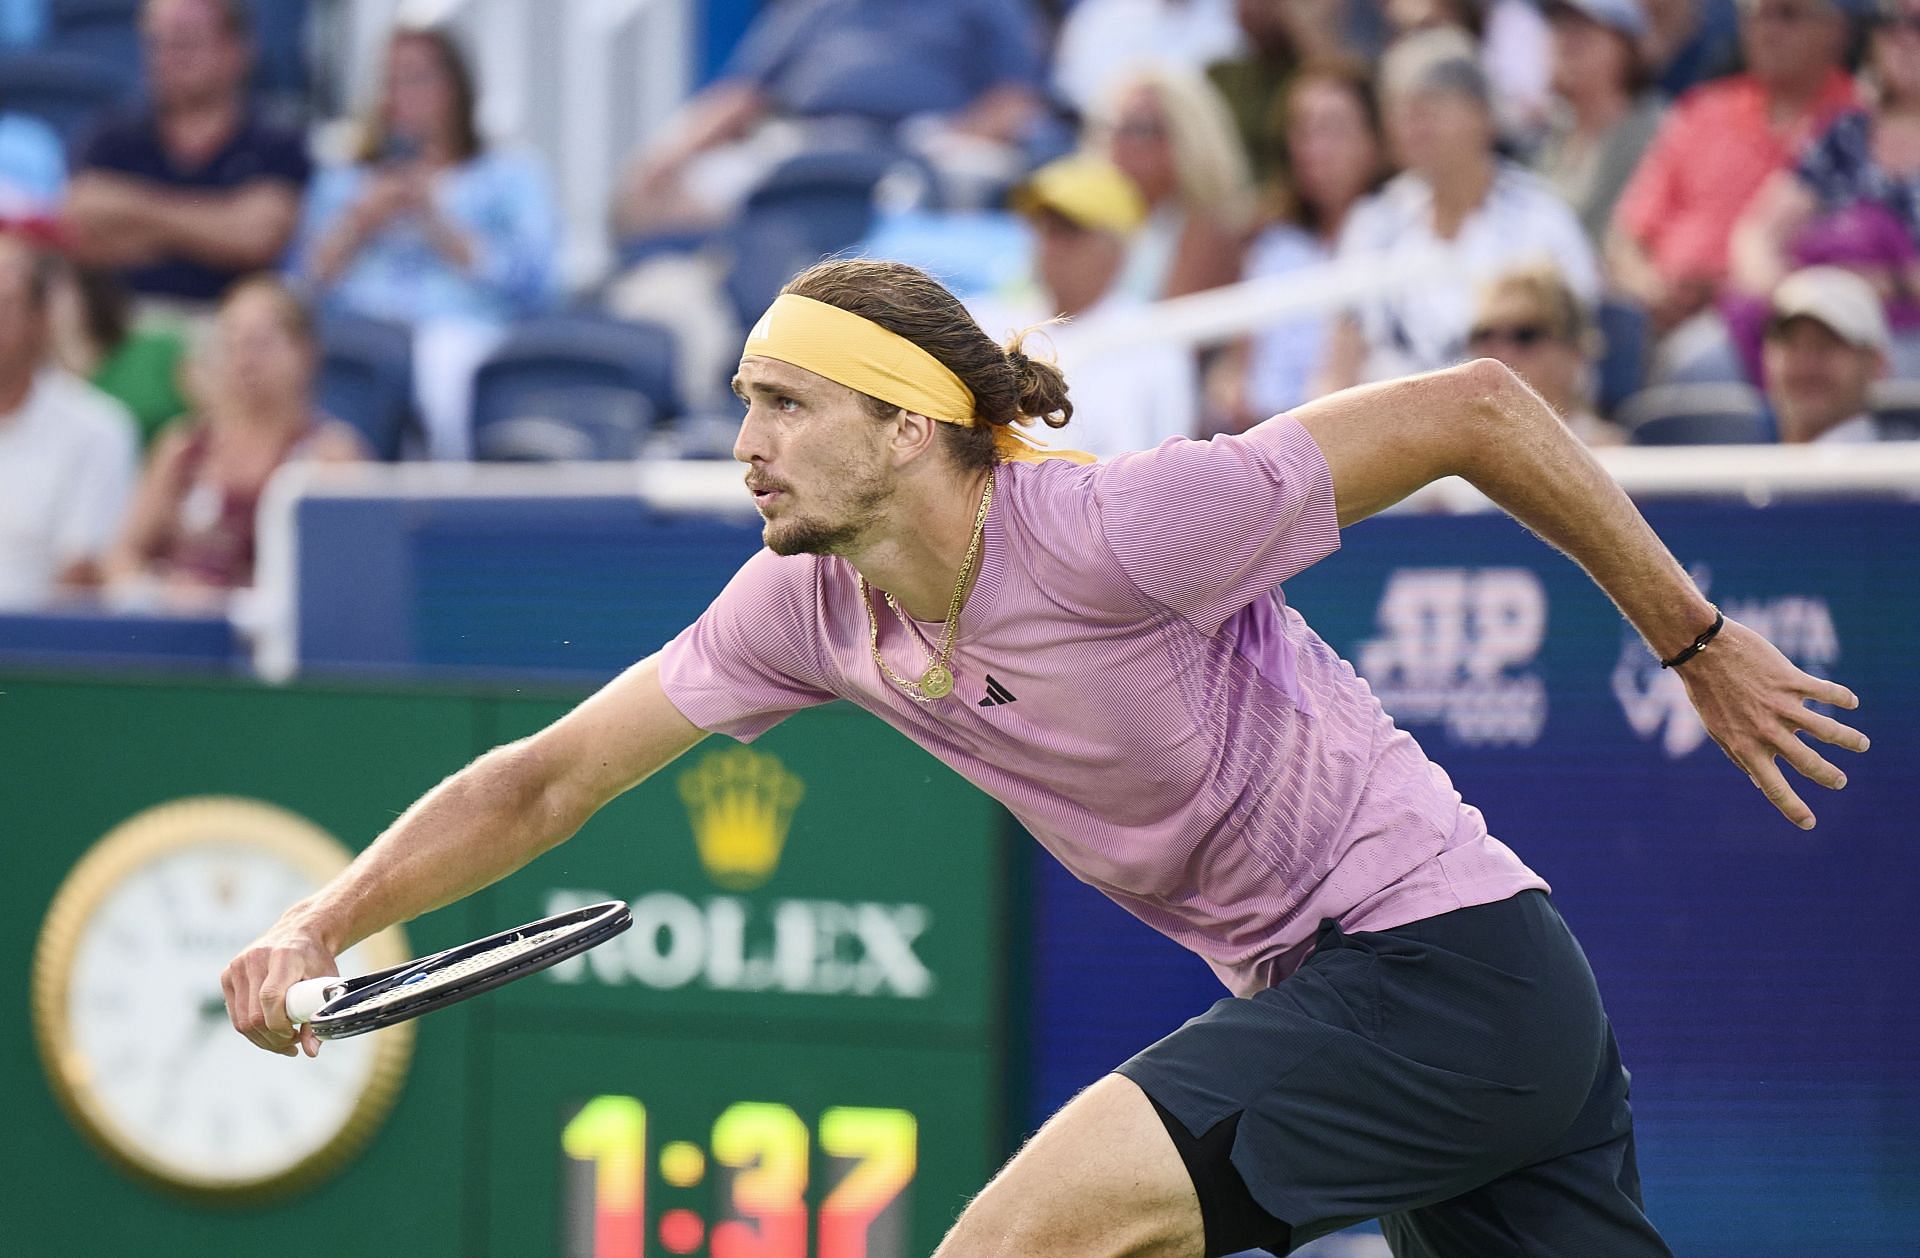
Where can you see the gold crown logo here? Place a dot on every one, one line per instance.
(740, 802)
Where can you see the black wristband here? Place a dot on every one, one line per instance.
(1699, 644)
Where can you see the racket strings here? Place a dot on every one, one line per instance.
(466, 967)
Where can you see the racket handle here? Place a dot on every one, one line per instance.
(305, 997)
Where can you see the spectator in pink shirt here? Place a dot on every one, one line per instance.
(1669, 247)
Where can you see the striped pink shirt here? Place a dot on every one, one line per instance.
(1176, 735)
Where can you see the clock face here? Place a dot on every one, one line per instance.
(133, 1025)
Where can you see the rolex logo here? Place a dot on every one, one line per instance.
(740, 802)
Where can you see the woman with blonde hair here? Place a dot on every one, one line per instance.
(1170, 131)
(1530, 319)
(189, 536)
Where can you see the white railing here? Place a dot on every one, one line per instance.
(270, 614)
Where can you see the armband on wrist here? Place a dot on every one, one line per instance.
(1699, 644)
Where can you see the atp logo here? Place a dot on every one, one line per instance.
(1654, 699)
(1456, 648)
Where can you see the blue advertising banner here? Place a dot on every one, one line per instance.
(1761, 979)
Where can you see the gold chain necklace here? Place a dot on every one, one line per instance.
(937, 681)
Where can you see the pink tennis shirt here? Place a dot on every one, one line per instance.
(1159, 717)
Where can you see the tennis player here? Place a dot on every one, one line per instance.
(1414, 1035)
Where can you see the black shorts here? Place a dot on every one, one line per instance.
(1455, 1078)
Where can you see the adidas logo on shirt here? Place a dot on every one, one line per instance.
(997, 694)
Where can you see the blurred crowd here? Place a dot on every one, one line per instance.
(1679, 220)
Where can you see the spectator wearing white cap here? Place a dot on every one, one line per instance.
(1826, 343)
(1603, 117)
(1085, 212)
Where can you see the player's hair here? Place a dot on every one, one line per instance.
(1007, 384)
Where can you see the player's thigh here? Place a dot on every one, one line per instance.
(1102, 1179)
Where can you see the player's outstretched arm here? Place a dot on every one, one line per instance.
(1480, 422)
(476, 827)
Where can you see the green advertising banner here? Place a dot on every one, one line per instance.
(798, 1049)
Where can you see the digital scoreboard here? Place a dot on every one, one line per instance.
(796, 1050)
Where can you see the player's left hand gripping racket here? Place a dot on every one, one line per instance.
(337, 1008)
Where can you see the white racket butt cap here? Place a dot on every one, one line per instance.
(305, 998)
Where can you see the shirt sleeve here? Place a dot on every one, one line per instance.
(753, 658)
(1203, 528)
(103, 484)
(515, 233)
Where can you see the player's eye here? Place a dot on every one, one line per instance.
(786, 404)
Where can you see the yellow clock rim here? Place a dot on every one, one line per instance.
(132, 844)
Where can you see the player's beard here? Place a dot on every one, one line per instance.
(799, 535)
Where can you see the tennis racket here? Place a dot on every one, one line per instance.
(337, 1008)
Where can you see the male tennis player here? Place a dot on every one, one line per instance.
(1104, 648)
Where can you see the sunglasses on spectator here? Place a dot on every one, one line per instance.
(1901, 23)
(1518, 335)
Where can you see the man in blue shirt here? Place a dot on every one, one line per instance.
(195, 189)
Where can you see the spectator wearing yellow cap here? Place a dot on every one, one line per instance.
(1084, 212)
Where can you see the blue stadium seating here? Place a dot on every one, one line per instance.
(811, 206)
(1697, 414)
(366, 377)
(574, 386)
(66, 90)
(106, 30)
(1625, 338)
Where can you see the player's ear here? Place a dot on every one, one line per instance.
(913, 436)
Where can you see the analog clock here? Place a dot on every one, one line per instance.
(132, 1026)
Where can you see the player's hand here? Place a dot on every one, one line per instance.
(1754, 703)
(256, 983)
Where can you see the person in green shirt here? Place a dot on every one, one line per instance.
(96, 338)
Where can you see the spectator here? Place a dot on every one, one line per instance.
(1825, 346)
(1281, 36)
(67, 452)
(1529, 319)
(1100, 40)
(958, 80)
(1853, 198)
(95, 338)
(1669, 244)
(33, 168)
(1170, 132)
(1457, 215)
(1331, 125)
(429, 227)
(189, 538)
(23, 23)
(1605, 119)
(1514, 50)
(1083, 210)
(194, 189)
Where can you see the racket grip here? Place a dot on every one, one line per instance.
(305, 997)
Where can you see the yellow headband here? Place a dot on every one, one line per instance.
(864, 356)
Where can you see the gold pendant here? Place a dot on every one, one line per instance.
(936, 682)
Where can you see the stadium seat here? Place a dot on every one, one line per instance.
(1624, 341)
(366, 377)
(106, 30)
(811, 206)
(66, 90)
(1697, 414)
(1896, 409)
(573, 386)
